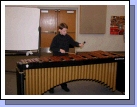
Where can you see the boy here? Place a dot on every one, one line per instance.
(60, 46)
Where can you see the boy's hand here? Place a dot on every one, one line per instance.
(81, 44)
(62, 51)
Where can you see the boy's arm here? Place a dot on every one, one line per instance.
(76, 44)
(54, 45)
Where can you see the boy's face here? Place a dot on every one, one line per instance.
(63, 31)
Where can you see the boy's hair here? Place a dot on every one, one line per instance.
(63, 25)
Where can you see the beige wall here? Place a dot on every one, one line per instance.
(106, 41)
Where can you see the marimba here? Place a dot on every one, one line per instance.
(35, 76)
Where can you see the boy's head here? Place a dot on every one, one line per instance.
(63, 27)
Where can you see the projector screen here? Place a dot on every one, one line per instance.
(21, 28)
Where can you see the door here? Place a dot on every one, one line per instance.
(68, 17)
(49, 22)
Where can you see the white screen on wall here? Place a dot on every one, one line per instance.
(21, 28)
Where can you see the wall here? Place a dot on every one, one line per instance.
(105, 42)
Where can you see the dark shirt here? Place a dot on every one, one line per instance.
(62, 42)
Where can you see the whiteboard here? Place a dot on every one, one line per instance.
(21, 28)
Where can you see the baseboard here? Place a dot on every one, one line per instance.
(20, 53)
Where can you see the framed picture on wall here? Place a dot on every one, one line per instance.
(117, 25)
